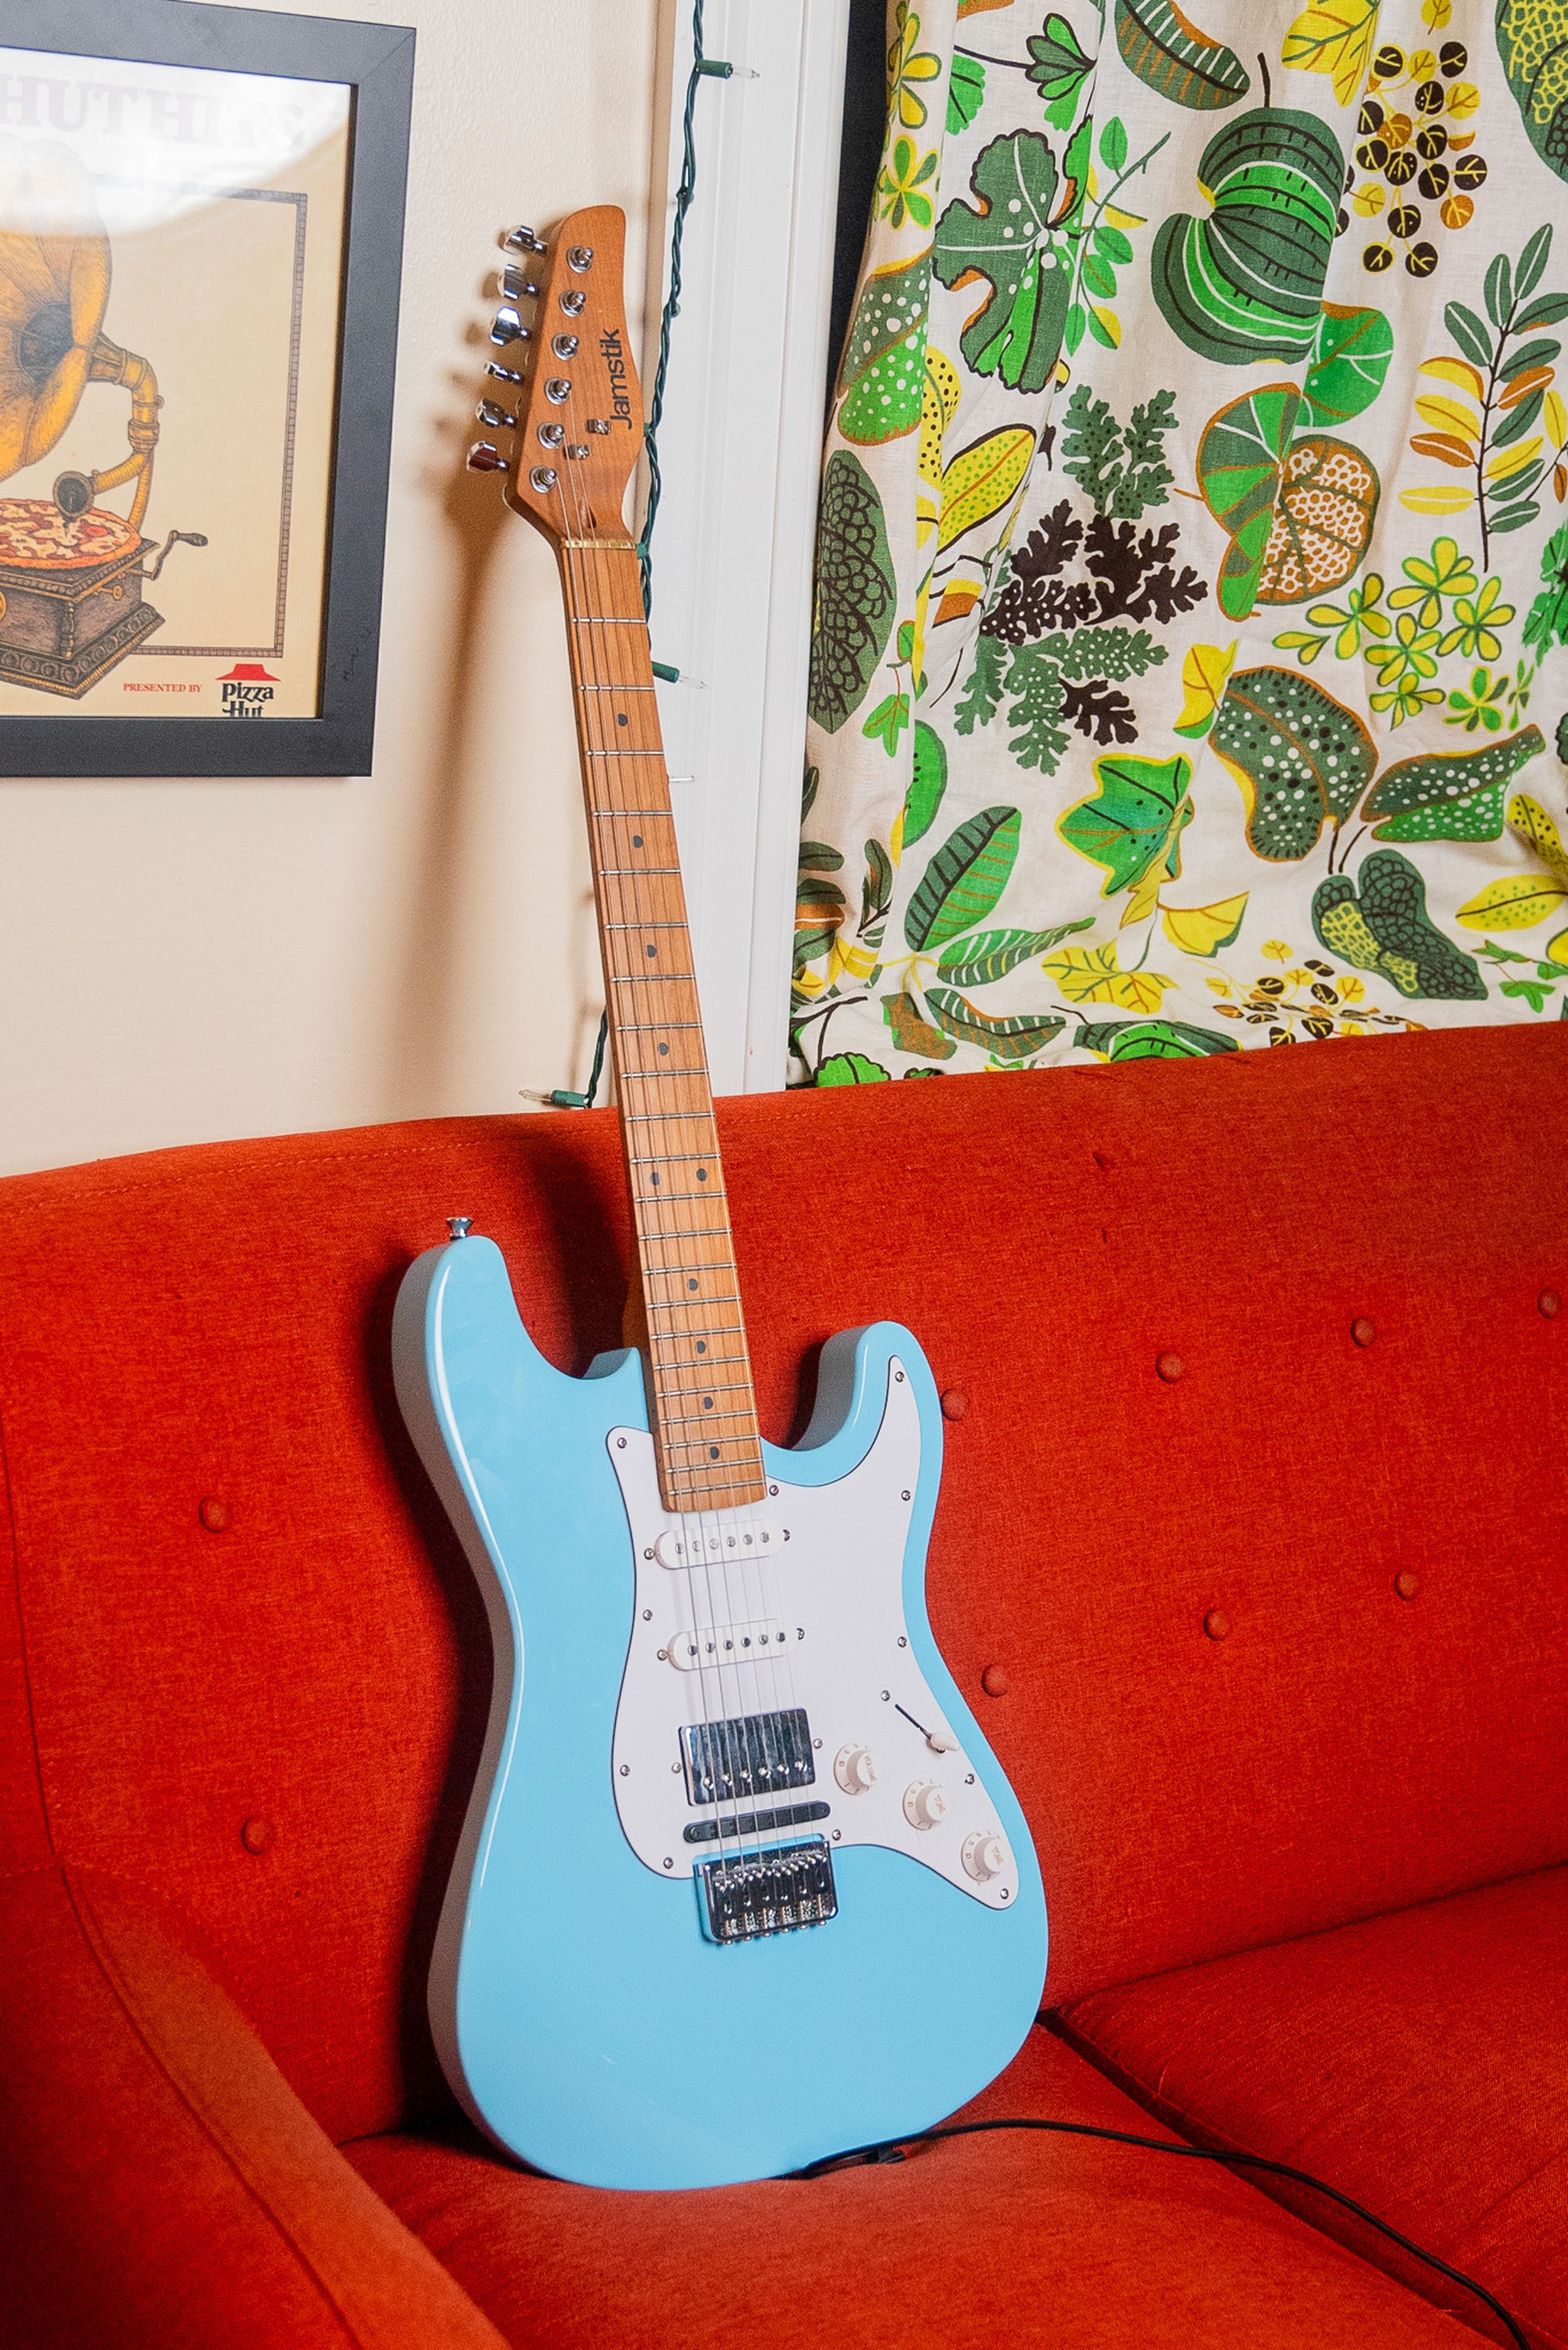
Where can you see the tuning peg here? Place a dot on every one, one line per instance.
(506, 326)
(485, 457)
(515, 286)
(502, 375)
(522, 240)
(490, 412)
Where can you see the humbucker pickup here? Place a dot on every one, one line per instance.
(768, 1892)
(751, 1754)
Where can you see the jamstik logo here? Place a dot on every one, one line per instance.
(615, 366)
(247, 689)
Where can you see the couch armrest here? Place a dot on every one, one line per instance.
(162, 2187)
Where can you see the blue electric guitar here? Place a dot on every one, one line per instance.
(741, 1881)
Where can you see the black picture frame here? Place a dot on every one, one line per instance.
(377, 62)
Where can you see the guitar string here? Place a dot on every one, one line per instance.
(595, 607)
(741, 1531)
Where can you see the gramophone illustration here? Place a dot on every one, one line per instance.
(72, 571)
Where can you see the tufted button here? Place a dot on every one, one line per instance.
(258, 1835)
(1406, 1583)
(1169, 1367)
(1550, 1302)
(214, 1514)
(1216, 1625)
(993, 1681)
(955, 1403)
(1363, 1331)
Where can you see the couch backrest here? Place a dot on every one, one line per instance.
(238, 1602)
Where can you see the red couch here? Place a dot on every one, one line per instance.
(1274, 1650)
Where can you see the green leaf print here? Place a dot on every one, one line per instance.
(1134, 821)
(1007, 1036)
(1170, 55)
(986, 955)
(1151, 1039)
(927, 785)
(1008, 241)
(1451, 796)
(1246, 283)
(966, 93)
(1241, 462)
(1060, 68)
(1378, 923)
(964, 879)
(850, 1069)
(1301, 758)
(1532, 50)
(882, 375)
(1349, 362)
(855, 592)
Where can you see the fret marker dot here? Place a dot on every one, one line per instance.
(691, 1284)
(702, 1174)
(712, 1452)
(621, 718)
(637, 840)
(652, 950)
(653, 1178)
(701, 1346)
(664, 1050)
(707, 1403)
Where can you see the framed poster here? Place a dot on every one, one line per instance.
(201, 232)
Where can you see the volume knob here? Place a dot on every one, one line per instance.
(925, 1804)
(984, 1855)
(854, 1768)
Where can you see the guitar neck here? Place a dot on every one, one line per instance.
(699, 1378)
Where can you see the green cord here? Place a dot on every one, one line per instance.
(716, 69)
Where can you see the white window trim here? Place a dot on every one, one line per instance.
(741, 452)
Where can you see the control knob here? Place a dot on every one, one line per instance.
(925, 1804)
(984, 1855)
(854, 1768)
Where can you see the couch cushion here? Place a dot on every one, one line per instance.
(966, 2246)
(308, 1651)
(1418, 2062)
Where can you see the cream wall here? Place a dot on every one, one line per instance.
(186, 961)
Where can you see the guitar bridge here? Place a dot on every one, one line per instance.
(776, 1892)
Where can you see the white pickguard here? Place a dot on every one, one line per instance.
(831, 1579)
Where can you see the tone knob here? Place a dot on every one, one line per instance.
(854, 1768)
(925, 1804)
(985, 1856)
(485, 457)
(506, 326)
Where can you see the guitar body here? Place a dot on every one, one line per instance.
(583, 2010)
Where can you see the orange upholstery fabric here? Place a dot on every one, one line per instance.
(160, 2185)
(243, 1664)
(1419, 2061)
(968, 2246)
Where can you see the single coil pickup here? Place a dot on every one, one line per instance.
(768, 1892)
(725, 1644)
(787, 1815)
(750, 1754)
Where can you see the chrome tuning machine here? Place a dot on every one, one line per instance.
(516, 286)
(506, 326)
(522, 240)
(499, 419)
(485, 457)
(503, 374)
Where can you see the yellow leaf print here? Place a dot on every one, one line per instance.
(1204, 930)
(1458, 372)
(1449, 416)
(1204, 671)
(1509, 461)
(1438, 502)
(1517, 903)
(1091, 975)
(938, 406)
(1530, 820)
(1335, 40)
(982, 479)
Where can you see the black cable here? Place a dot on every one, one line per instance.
(891, 2150)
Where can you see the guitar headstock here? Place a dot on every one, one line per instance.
(563, 410)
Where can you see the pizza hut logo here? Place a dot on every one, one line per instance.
(248, 689)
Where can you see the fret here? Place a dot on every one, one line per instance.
(645, 926)
(652, 750)
(688, 1304)
(652, 1117)
(601, 620)
(617, 689)
(620, 872)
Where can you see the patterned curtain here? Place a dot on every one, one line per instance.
(1188, 667)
